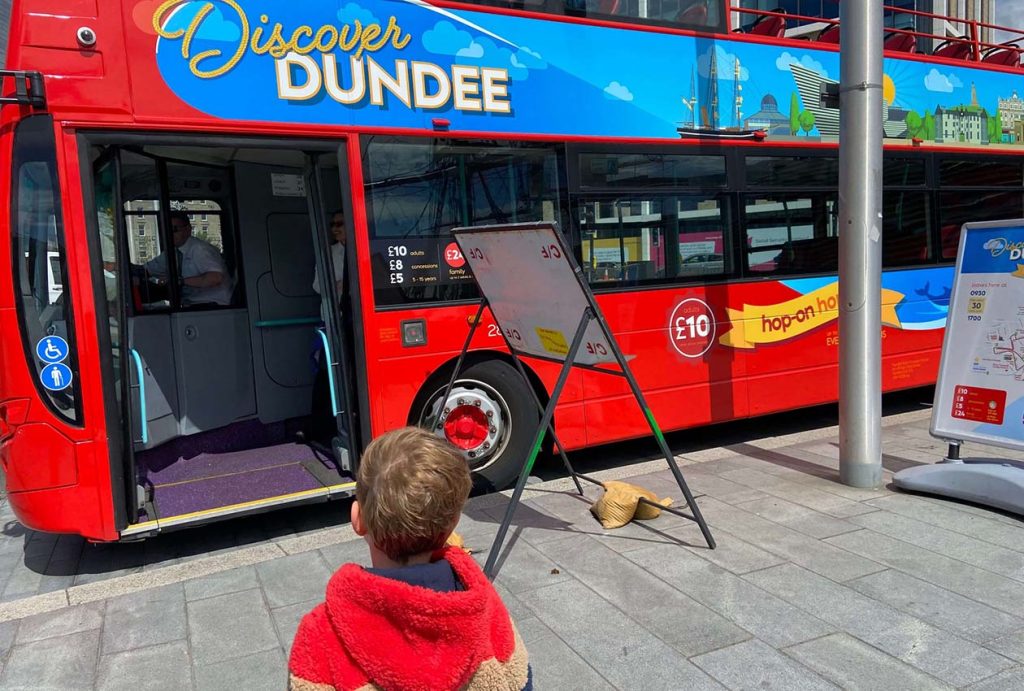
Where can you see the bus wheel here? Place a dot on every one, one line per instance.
(491, 417)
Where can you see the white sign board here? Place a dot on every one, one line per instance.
(980, 391)
(537, 299)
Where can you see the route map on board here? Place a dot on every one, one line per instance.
(979, 395)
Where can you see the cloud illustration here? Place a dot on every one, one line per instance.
(215, 27)
(474, 50)
(944, 83)
(445, 39)
(786, 59)
(530, 59)
(726, 64)
(619, 91)
(352, 12)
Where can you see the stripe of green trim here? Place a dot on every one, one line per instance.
(654, 425)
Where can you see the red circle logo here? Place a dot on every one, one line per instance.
(453, 255)
(692, 327)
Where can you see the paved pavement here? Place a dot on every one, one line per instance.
(813, 585)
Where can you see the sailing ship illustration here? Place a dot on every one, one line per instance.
(708, 126)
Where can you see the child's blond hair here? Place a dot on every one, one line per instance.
(411, 487)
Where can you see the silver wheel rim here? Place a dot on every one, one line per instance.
(485, 397)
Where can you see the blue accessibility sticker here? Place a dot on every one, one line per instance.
(51, 349)
(56, 377)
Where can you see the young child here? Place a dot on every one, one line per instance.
(425, 617)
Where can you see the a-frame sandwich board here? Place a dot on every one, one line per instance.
(544, 309)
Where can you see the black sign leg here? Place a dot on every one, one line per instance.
(538, 439)
(551, 427)
(698, 518)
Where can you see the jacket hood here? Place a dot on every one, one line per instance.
(409, 637)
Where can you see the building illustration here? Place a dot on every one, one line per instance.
(769, 118)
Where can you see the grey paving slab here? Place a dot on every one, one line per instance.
(146, 618)
(532, 524)
(938, 606)
(264, 670)
(682, 622)
(522, 567)
(230, 626)
(799, 493)
(798, 517)
(818, 556)
(60, 575)
(8, 631)
(854, 665)
(1011, 645)
(944, 571)
(163, 667)
(66, 662)
(351, 552)
(61, 623)
(293, 579)
(532, 629)
(1010, 680)
(732, 553)
(753, 609)
(985, 555)
(231, 581)
(989, 526)
(556, 666)
(286, 620)
(755, 665)
(620, 649)
(936, 652)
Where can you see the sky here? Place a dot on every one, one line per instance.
(1010, 13)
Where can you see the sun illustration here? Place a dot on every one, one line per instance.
(888, 89)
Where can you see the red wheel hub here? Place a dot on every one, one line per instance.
(466, 427)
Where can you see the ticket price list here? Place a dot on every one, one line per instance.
(979, 405)
(416, 262)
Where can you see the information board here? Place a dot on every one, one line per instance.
(980, 391)
(533, 290)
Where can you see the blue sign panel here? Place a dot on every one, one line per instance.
(51, 349)
(56, 377)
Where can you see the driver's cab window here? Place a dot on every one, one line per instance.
(183, 258)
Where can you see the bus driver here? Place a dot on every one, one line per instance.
(205, 278)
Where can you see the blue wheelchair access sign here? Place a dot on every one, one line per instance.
(52, 349)
(56, 377)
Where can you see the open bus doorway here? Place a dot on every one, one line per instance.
(220, 334)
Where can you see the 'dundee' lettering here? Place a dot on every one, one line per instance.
(344, 67)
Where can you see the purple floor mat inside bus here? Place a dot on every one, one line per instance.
(213, 480)
(215, 492)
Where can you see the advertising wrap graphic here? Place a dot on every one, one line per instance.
(911, 300)
(404, 63)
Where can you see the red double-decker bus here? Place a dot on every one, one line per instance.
(230, 262)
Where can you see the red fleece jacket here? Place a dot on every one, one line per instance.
(373, 632)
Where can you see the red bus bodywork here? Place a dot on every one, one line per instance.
(59, 476)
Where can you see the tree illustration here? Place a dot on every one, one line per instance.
(995, 127)
(807, 122)
(915, 125)
(794, 114)
(929, 127)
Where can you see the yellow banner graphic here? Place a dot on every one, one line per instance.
(758, 324)
(1019, 273)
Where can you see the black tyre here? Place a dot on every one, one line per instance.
(491, 417)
